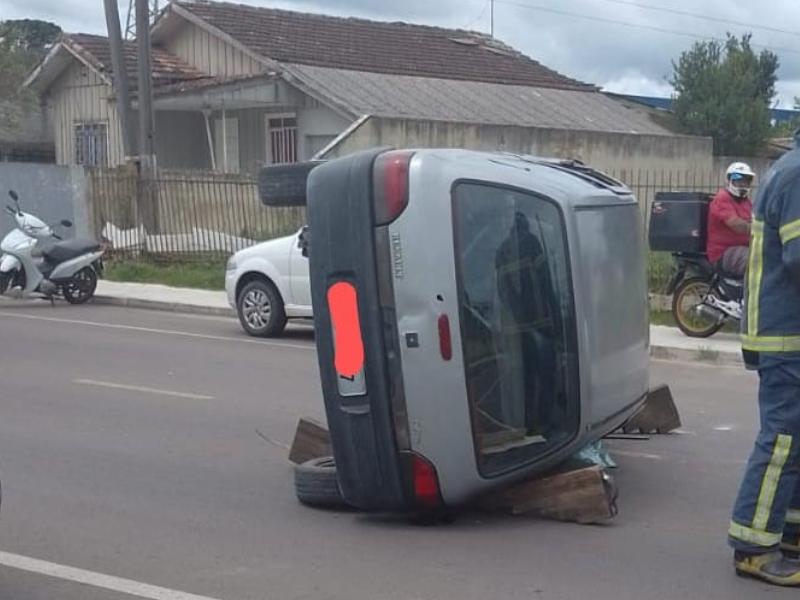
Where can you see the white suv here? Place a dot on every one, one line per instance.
(268, 284)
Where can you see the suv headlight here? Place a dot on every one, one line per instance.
(231, 266)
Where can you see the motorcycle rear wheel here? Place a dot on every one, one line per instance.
(81, 287)
(687, 297)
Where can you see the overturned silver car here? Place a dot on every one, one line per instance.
(479, 318)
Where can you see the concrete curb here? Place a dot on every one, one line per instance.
(165, 306)
(703, 356)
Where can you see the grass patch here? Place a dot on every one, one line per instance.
(208, 274)
(660, 267)
(658, 317)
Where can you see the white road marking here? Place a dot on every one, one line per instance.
(144, 390)
(242, 340)
(723, 428)
(98, 580)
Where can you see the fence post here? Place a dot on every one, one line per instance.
(146, 198)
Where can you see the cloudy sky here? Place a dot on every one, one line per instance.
(623, 45)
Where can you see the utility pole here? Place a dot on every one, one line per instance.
(491, 12)
(147, 159)
(121, 88)
(146, 117)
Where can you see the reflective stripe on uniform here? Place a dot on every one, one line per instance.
(751, 536)
(793, 517)
(769, 485)
(790, 231)
(771, 343)
(754, 272)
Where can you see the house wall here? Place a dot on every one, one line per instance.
(617, 152)
(81, 96)
(209, 54)
(50, 192)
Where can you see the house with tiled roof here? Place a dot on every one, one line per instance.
(237, 86)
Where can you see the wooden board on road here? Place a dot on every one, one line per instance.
(583, 495)
(311, 440)
(575, 493)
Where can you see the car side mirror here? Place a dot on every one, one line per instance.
(66, 223)
(304, 240)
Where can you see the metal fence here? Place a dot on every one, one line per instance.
(646, 184)
(183, 214)
(191, 214)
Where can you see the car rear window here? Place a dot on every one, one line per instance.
(517, 324)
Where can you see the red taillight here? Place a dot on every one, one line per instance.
(391, 185)
(445, 343)
(348, 345)
(426, 483)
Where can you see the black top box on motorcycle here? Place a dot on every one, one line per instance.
(679, 222)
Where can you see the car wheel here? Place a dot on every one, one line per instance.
(261, 311)
(316, 483)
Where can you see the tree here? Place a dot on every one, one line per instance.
(32, 38)
(724, 90)
(23, 43)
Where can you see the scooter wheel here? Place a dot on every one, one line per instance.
(81, 287)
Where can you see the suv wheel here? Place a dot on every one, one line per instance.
(261, 311)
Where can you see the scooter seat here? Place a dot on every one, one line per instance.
(69, 249)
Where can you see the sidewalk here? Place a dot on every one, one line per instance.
(163, 297)
(720, 349)
(665, 342)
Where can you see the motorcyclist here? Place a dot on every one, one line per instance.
(729, 218)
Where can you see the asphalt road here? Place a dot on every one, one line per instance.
(150, 447)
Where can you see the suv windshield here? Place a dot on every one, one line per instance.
(517, 324)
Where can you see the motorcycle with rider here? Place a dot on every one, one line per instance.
(707, 285)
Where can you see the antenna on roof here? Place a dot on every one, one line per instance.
(130, 27)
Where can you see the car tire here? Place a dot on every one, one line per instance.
(316, 483)
(261, 310)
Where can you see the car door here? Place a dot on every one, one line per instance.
(300, 284)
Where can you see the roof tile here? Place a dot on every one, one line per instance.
(379, 47)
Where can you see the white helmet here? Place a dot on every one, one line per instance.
(739, 178)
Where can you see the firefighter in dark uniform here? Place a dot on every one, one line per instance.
(765, 528)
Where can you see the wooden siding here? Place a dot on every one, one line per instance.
(81, 96)
(210, 54)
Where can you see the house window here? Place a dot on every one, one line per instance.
(282, 139)
(91, 144)
(226, 145)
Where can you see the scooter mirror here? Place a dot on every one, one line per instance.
(13, 195)
(66, 223)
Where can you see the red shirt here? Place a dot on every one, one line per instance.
(720, 236)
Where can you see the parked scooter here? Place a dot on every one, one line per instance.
(37, 262)
(703, 298)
